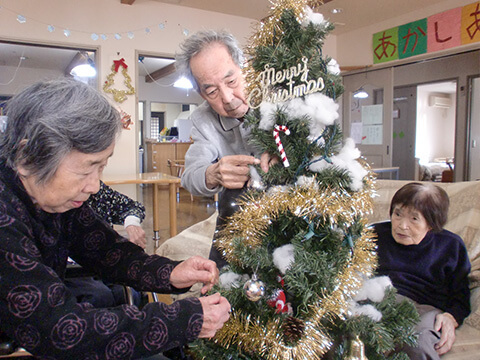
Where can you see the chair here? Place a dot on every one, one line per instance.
(177, 167)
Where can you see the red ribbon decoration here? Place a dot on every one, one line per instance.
(119, 63)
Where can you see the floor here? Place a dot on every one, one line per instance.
(189, 212)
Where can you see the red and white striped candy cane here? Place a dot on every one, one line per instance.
(276, 136)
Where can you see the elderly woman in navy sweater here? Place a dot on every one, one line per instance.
(426, 264)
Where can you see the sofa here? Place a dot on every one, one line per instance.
(464, 219)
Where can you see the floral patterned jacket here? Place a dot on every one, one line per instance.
(113, 206)
(37, 310)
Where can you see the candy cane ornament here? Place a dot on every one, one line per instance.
(276, 136)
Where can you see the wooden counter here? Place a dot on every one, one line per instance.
(159, 152)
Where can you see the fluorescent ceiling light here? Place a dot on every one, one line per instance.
(183, 83)
(360, 94)
(84, 70)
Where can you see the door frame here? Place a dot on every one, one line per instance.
(473, 128)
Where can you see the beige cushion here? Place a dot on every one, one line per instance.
(466, 346)
(195, 240)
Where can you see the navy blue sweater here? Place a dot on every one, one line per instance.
(434, 272)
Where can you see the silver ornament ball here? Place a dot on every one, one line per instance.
(254, 289)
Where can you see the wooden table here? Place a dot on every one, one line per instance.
(157, 179)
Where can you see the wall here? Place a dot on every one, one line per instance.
(355, 48)
(84, 17)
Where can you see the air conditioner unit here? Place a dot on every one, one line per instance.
(440, 101)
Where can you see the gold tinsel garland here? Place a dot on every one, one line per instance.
(267, 339)
(255, 215)
(250, 224)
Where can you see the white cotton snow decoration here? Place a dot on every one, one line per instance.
(313, 17)
(267, 115)
(333, 67)
(283, 257)
(277, 189)
(255, 179)
(374, 289)
(319, 108)
(346, 159)
(324, 111)
(307, 181)
(229, 279)
(356, 309)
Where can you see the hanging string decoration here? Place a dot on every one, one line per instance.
(119, 95)
(116, 35)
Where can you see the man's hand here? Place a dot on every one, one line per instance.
(216, 311)
(231, 172)
(136, 235)
(267, 161)
(194, 270)
(445, 323)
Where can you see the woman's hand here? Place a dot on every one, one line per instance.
(216, 311)
(136, 235)
(446, 324)
(194, 270)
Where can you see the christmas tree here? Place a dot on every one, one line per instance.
(299, 248)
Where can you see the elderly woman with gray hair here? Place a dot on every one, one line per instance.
(427, 264)
(58, 139)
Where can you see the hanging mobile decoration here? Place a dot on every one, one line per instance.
(119, 95)
(254, 289)
(276, 136)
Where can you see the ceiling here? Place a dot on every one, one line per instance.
(41, 57)
(355, 14)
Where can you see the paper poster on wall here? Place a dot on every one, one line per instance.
(356, 132)
(372, 114)
(372, 134)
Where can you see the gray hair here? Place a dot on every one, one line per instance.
(48, 120)
(200, 41)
